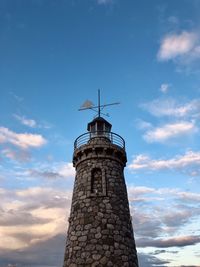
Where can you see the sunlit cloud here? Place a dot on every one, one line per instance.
(23, 120)
(66, 169)
(170, 107)
(183, 119)
(140, 190)
(174, 45)
(186, 163)
(183, 49)
(22, 140)
(141, 161)
(188, 196)
(169, 131)
(32, 215)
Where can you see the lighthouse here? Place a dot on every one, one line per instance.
(100, 229)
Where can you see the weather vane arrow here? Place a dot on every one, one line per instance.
(98, 108)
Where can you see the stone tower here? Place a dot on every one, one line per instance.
(100, 229)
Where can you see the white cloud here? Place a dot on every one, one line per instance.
(28, 122)
(66, 170)
(183, 49)
(32, 123)
(188, 196)
(141, 124)
(182, 119)
(164, 88)
(170, 107)
(169, 131)
(136, 193)
(22, 140)
(17, 155)
(174, 45)
(184, 162)
(53, 171)
(104, 2)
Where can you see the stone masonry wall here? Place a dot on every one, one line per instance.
(100, 230)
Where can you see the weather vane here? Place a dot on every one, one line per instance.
(98, 108)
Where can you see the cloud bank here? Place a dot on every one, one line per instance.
(34, 220)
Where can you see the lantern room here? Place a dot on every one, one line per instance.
(99, 126)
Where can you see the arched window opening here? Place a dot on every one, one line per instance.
(96, 181)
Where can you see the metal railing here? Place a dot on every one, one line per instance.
(113, 138)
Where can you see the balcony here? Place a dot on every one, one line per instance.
(110, 137)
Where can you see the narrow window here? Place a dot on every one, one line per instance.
(96, 182)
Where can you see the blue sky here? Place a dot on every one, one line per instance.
(54, 55)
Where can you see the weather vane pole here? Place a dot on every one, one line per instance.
(99, 104)
(98, 109)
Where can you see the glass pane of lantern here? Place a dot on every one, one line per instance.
(93, 128)
(100, 127)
